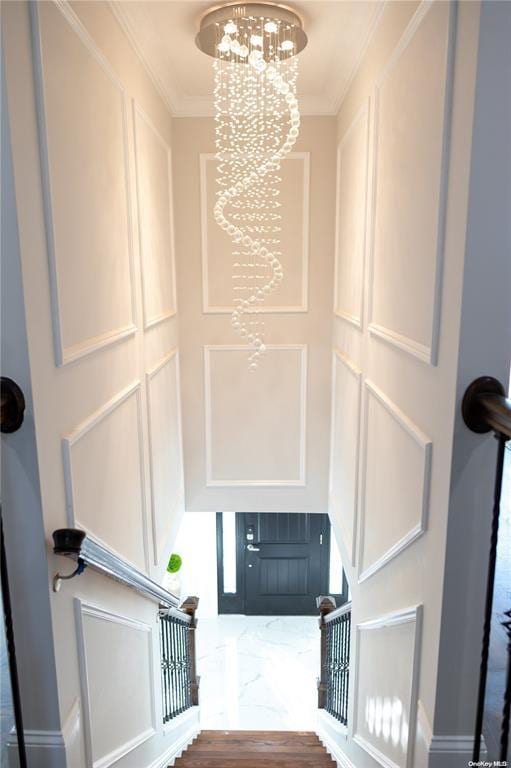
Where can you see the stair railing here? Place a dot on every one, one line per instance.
(485, 409)
(333, 683)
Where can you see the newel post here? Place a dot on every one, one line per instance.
(190, 607)
(325, 606)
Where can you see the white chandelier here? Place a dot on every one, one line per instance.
(257, 124)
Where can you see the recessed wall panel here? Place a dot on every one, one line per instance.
(396, 463)
(155, 220)
(85, 173)
(410, 130)
(115, 654)
(104, 477)
(218, 247)
(255, 420)
(352, 163)
(346, 397)
(165, 449)
(386, 687)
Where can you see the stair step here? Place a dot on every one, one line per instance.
(256, 749)
(189, 761)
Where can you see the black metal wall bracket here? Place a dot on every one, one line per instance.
(59, 578)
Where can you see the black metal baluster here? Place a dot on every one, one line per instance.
(165, 631)
(341, 669)
(489, 596)
(180, 665)
(347, 665)
(175, 671)
(337, 666)
(168, 626)
(506, 710)
(188, 665)
(163, 669)
(329, 668)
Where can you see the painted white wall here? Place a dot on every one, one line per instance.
(406, 165)
(196, 543)
(94, 209)
(255, 441)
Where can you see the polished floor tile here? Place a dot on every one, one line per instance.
(258, 672)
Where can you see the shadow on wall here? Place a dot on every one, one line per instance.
(196, 543)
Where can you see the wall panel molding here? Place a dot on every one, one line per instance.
(82, 610)
(266, 308)
(401, 730)
(73, 438)
(171, 310)
(66, 353)
(359, 122)
(426, 348)
(349, 366)
(151, 375)
(420, 496)
(210, 350)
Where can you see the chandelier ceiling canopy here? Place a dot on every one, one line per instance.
(254, 46)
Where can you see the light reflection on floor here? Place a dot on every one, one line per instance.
(258, 672)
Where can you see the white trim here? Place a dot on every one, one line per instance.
(330, 732)
(207, 308)
(357, 373)
(150, 374)
(426, 445)
(404, 616)
(120, 15)
(85, 609)
(73, 437)
(356, 320)
(65, 355)
(427, 353)
(338, 101)
(183, 742)
(40, 739)
(138, 112)
(298, 482)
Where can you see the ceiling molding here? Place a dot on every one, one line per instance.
(375, 21)
(202, 106)
(170, 99)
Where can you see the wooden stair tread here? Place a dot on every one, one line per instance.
(255, 749)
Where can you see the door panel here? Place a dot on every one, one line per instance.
(285, 563)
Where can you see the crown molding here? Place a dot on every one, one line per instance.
(202, 106)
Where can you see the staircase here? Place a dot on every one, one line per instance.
(256, 749)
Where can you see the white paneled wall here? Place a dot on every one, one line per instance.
(399, 261)
(256, 440)
(92, 164)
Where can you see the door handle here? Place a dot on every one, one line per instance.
(251, 548)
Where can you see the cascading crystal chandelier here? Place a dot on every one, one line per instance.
(254, 46)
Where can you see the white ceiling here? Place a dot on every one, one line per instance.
(163, 33)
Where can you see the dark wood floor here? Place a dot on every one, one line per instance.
(256, 749)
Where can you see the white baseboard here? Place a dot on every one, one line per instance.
(46, 749)
(333, 735)
(452, 751)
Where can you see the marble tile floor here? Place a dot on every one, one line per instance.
(258, 672)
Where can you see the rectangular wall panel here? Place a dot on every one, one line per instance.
(385, 707)
(352, 167)
(154, 194)
(218, 247)
(165, 449)
(411, 106)
(103, 467)
(83, 133)
(346, 400)
(117, 683)
(255, 420)
(395, 479)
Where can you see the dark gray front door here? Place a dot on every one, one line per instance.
(285, 560)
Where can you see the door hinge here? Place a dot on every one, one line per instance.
(321, 538)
